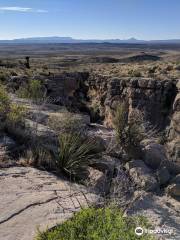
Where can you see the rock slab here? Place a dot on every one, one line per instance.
(32, 199)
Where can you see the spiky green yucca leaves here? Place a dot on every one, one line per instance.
(98, 224)
(75, 153)
(120, 121)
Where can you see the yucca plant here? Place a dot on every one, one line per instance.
(129, 131)
(75, 154)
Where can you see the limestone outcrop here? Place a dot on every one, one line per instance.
(154, 97)
(32, 199)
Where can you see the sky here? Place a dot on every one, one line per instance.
(90, 19)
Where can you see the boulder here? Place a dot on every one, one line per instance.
(176, 179)
(39, 130)
(121, 188)
(163, 176)
(98, 181)
(173, 149)
(106, 164)
(136, 164)
(104, 136)
(173, 168)
(154, 155)
(141, 175)
(174, 190)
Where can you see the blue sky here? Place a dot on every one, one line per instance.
(90, 19)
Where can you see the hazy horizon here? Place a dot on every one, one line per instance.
(86, 39)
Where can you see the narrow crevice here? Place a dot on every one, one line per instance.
(27, 207)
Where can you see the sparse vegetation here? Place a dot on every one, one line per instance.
(59, 143)
(3, 76)
(33, 90)
(98, 224)
(95, 112)
(129, 132)
(72, 155)
(4, 103)
(66, 122)
(75, 154)
(10, 113)
(135, 73)
(16, 114)
(39, 156)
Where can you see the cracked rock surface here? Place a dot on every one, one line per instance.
(31, 199)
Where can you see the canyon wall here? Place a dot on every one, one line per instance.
(155, 98)
(99, 95)
(159, 101)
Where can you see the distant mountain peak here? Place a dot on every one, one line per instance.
(57, 39)
(132, 39)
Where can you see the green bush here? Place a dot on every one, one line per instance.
(16, 114)
(66, 122)
(74, 154)
(3, 76)
(129, 132)
(33, 90)
(98, 224)
(4, 102)
(135, 73)
(11, 115)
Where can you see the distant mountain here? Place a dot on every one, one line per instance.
(43, 40)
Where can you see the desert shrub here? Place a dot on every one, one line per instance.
(169, 68)
(66, 122)
(71, 155)
(98, 224)
(33, 90)
(37, 155)
(95, 112)
(4, 102)
(16, 114)
(135, 73)
(75, 154)
(152, 70)
(163, 137)
(3, 76)
(14, 123)
(129, 132)
(12, 116)
(17, 132)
